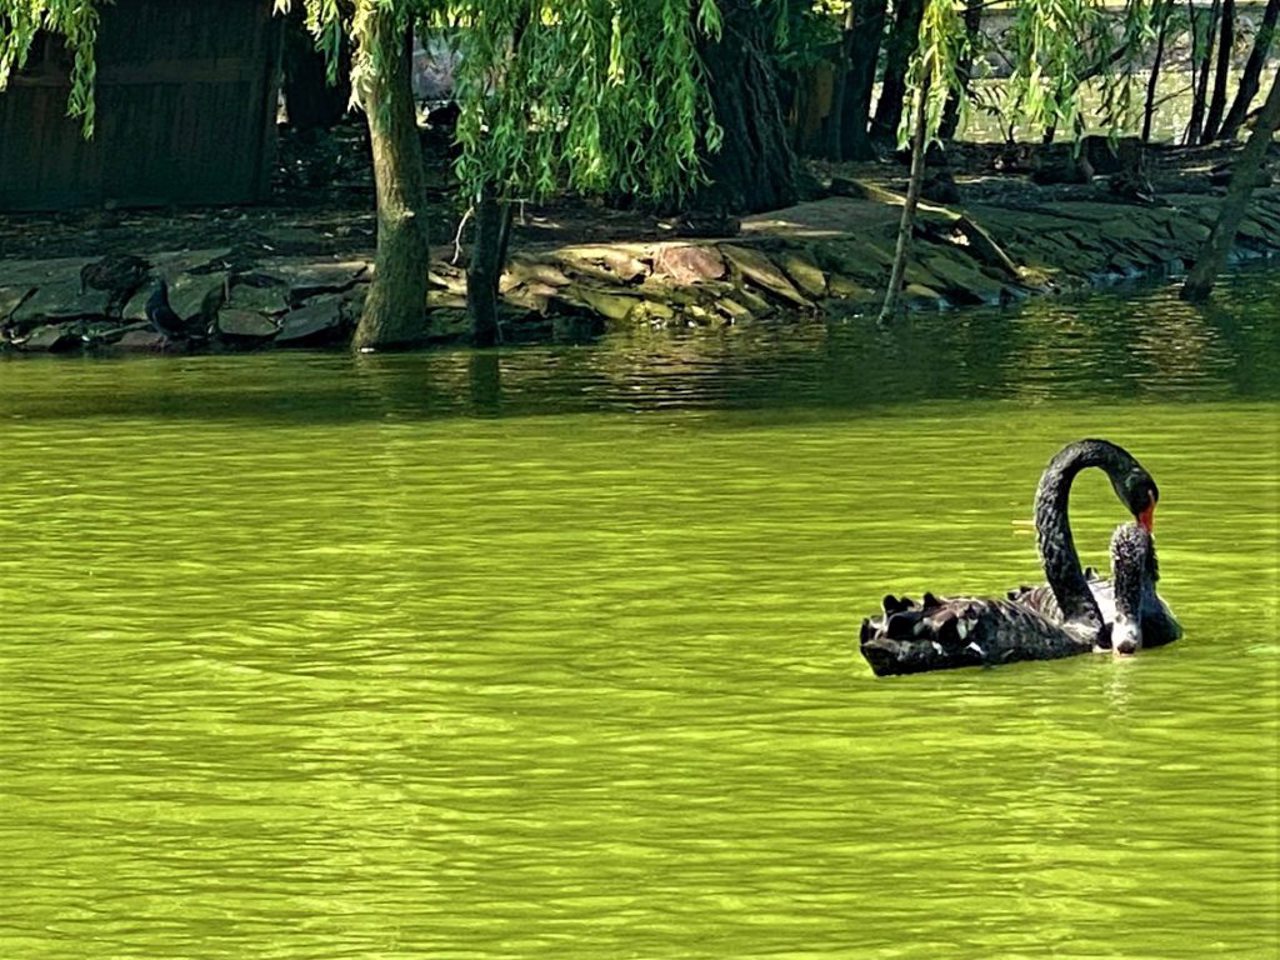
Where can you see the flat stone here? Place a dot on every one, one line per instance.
(651, 311)
(307, 279)
(533, 295)
(964, 282)
(265, 298)
(448, 277)
(762, 271)
(190, 295)
(319, 320)
(527, 272)
(11, 297)
(757, 304)
(612, 306)
(601, 263)
(917, 296)
(804, 273)
(142, 340)
(846, 288)
(687, 262)
(51, 338)
(61, 300)
(246, 323)
(733, 310)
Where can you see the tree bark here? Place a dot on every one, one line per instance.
(1248, 88)
(1244, 175)
(395, 309)
(488, 257)
(1200, 83)
(755, 168)
(1226, 44)
(855, 141)
(1149, 107)
(839, 87)
(964, 67)
(902, 43)
(313, 102)
(906, 225)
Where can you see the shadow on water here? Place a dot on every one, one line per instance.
(1108, 345)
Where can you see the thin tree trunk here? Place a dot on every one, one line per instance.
(839, 87)
(1252, 72)
(964, 67)
(1200, 83)
(488, 257)
(1149, 108)
(903, 40)
(1244, 175)
(868, 15)
(1226, 44)
(395, 309)
(906, 225)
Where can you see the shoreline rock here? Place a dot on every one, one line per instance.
(829, 256)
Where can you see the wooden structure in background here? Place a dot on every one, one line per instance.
(186, 111)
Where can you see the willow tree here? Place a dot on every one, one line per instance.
(592, 96)
(381, 35)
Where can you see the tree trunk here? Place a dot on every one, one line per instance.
(311, 101)
(395, 309)
(755, 168)
(1148, 109)
(840, 87)
(868, 16)
(1200, 83)
(903, 40)
(488, 257)
(1252, 72)
(1226, 44)
(964, 67)
(906, 225)
(1244, 175)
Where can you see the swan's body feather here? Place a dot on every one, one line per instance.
(1076, 613)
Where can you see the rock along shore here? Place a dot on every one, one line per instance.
(829, 256)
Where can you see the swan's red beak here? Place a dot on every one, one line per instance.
(1147, 517)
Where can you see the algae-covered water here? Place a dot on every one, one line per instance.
(552, 652)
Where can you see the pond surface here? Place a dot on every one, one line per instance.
(552, 652)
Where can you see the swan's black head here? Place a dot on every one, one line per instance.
(1133, 574)
(1131, 482)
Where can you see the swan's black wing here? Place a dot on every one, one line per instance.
(940, 634)
(1159, 625)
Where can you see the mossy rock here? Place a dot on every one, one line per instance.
(804, 273)
(757, 304)
(760, 270)
(841, 287)
(732, 310)
(963, 282)
(652, 312)
(246, 325)
(917, 296)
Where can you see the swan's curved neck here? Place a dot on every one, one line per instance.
(1053, 527)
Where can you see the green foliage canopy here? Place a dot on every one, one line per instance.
(75, 20)
(590, 95)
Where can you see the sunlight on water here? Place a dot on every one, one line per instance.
(552, 653)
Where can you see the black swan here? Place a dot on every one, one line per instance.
(1074, 614)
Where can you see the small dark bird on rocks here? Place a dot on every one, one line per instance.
(163, 318)
(118, 275)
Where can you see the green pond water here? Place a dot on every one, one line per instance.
(551, 652)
